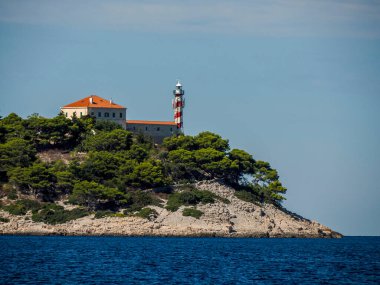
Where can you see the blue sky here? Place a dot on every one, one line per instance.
(295, 83)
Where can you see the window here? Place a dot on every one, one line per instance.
(106, 114)
(146, 128)
(171, 129)
(134, 128)
(158, 128)
(81, 114)
(113, 115)
(66, 114)
(121, 115)
(92, 113)
(99, 114)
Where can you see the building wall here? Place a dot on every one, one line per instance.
(116, 115)
(156, 131)
(69, 112)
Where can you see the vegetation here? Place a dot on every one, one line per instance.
(103, 214)
(4, 220)
(49, 213)
(21, 207)
(53, 214)
(189, 198)
(118, 167)
(191, 212)
(147, 213)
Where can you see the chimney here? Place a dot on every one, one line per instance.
(91, 100)
(111, 101)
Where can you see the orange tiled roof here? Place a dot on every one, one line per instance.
(97, 102)
(151, 122)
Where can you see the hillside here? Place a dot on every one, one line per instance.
(236, 219)
(60, 176)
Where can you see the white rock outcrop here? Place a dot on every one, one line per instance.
(236, 219)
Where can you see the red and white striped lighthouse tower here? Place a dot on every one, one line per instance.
(178, 105)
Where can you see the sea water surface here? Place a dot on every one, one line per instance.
(149, 260)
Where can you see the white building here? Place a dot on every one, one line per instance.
(97, 107)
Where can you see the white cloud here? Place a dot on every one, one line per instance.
(262, 18)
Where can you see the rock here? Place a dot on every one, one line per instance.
(237, 219)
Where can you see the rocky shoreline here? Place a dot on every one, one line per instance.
(236, 219)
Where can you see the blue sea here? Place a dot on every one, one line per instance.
(148, 260)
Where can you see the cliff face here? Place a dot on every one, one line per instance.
(236, 219)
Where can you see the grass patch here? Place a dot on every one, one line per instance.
(191, 212)
(147, 213)
(4, 220)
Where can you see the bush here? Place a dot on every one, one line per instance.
(246, 196)
(140, 199)
(223, 200)
(54, 214)
(191, 212)
(94, 195)
(118, 215)
(21, 207)
(12, 195)
(188, 198)
(102, 214)
(4, 220)
(147, 213)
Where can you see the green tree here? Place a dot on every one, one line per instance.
(12, 127)
(64, 182)
(180, 142)
(114, 140)
(16, 152)
(211, 140)
(79, 129)
(36, 179)
(267, 184)
(100, 166)
(242, 163)
(264, 173)
(147, 174)
(46, 133)
(106, 126)
(94, 195)
(182, 156)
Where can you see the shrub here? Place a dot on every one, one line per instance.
(223, 200)
(118, 215)
(94, 195)
(12, 195)
(147, 213)
(21, 207)
(102, 214)
(4, 220)
(54, 214)
(189, 197)
(140, 199)
(191, 212)
(246, 196)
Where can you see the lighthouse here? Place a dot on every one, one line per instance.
(178, 105)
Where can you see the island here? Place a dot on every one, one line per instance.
(79, 176)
